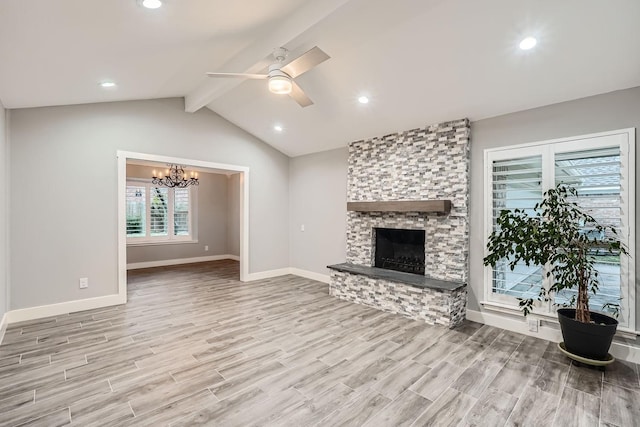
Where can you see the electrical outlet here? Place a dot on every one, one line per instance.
(302, 227)
(84, 282)
(206, 248)
(534, 325)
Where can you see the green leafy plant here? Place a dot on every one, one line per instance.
(562, 237)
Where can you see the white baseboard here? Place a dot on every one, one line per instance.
(268, 274)
(324, 278)
(519, 324)
(42, 311)
(178, 261)
(3, 326)
(624, 351)
(515, 324)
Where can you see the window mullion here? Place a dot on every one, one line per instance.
(170, 213)
(627, 155)
(147, 231)
(190, 213)
(548, 182)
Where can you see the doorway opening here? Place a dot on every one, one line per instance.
(176, 221)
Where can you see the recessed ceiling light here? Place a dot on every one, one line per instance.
(528, 43)
(363, 100)
(278, 128)
(151, 4)
(107, 84)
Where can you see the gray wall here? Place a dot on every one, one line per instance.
(318, 199)
(64, 218)
(233, 215)
(209, 221)
(4, 188)
(611, 111)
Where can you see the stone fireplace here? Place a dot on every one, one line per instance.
(408, 192)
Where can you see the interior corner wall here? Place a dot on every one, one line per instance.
(610, 111)
(64, 222)
(233, 214)
(318, 202)
(209, 221)
(4, 253)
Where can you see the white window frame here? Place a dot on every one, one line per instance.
(547, 149)
(170, 238)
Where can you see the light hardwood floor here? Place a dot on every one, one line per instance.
(195, 346)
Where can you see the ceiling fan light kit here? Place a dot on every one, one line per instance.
(279, 82)
(281, 78)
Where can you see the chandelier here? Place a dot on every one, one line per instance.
(175, 177)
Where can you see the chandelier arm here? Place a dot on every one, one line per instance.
(175, 178)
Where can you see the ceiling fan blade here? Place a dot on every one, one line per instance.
(299, 96)
(305, 62)
(242, 75)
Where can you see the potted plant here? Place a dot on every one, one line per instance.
(565, 239)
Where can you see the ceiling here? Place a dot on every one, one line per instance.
(419, 61)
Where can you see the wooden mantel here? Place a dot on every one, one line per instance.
(437, 206)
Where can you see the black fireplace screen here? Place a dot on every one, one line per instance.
(400, 250)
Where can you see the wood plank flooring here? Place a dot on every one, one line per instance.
(194, 346)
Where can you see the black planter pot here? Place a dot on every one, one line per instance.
(590, 340)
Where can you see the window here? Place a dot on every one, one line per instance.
(158, 214)
(601, 168)
(517, 184)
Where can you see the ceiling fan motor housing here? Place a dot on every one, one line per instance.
(274, 70)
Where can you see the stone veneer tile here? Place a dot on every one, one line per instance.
(433, 306)
(420, 164)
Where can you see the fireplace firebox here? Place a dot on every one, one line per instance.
(400, 250)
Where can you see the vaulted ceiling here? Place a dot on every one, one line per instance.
(418, 61)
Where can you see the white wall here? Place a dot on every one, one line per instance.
(611, 111)
(233, 215)
(318, 200)
(4, 188)
(64, 218)
(209, 220)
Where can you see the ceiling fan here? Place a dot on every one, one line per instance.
(281, 77)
